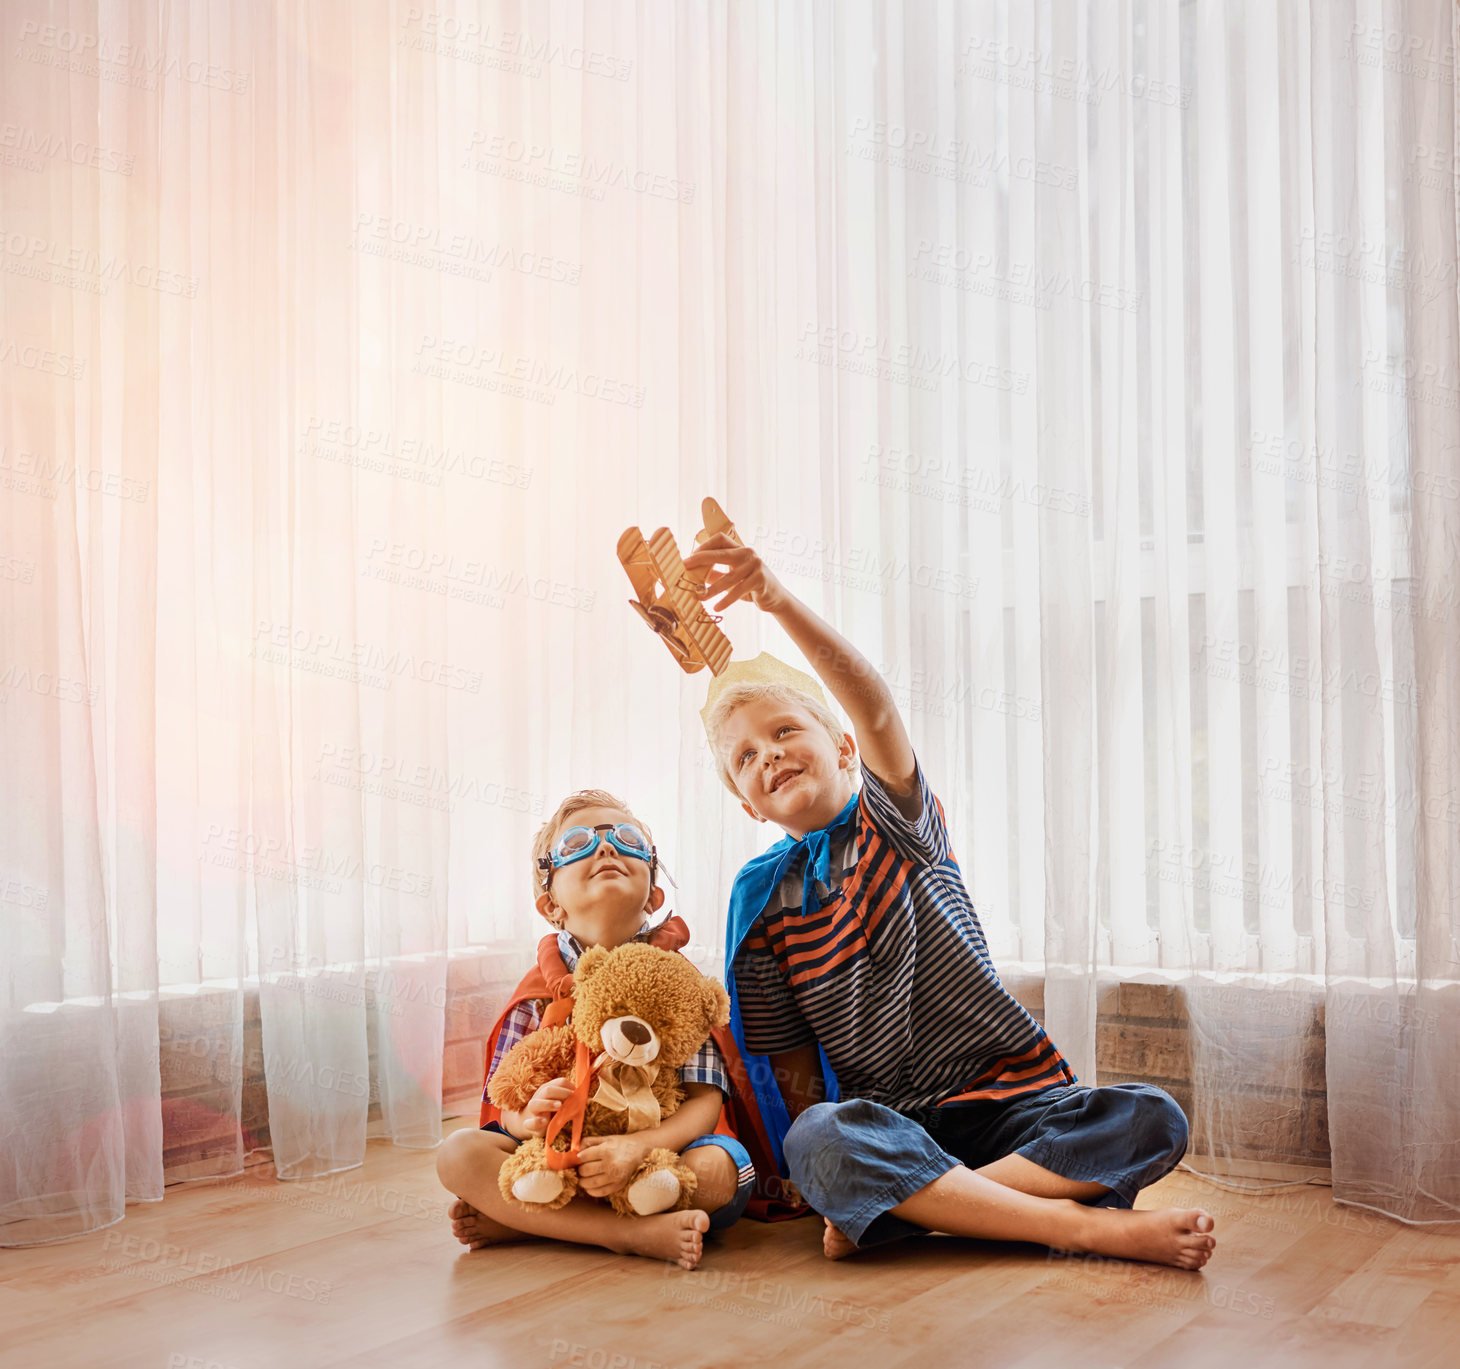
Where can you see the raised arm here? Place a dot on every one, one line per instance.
(850, 676)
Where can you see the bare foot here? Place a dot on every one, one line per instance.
(834, 1245)
(1169, 1235)
(676, 1236)
(475, 1229)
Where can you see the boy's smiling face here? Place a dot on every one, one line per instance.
(786, 766)
(603, 899)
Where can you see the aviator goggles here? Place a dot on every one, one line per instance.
(578, 843)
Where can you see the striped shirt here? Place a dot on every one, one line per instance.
(891, 975)
(705, 1066)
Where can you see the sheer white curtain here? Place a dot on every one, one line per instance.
(1183, 278)
(1091, 367)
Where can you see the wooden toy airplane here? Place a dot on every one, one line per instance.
(666, 592)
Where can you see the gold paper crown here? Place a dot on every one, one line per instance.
(763, 669)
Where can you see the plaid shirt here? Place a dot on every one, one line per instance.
(705, 1066)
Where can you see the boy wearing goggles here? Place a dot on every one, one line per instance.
(594, 870)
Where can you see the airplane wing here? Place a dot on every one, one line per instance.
(633, 554)
(707, 645)
(673, 612)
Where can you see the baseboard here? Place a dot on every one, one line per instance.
(1220, 1169)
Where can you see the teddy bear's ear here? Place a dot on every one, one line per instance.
(717, 1003)
(589, 963)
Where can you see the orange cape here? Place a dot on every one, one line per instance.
(550, 979)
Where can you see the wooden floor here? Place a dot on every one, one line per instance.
(361, 1270)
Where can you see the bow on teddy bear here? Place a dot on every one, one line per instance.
(638, 1014)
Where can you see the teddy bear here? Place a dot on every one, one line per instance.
(639, 1013)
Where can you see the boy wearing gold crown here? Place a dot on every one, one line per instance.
(859, 975)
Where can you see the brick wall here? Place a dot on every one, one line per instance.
(1142, 1034)
(477, 990)
(201, 1046)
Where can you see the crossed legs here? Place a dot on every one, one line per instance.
(467, 1164)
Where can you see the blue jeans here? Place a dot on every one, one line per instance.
(855, 1161)
(730, 1213)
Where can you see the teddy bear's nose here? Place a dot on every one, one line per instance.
(636, 1033)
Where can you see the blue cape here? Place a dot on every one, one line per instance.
(752, 890)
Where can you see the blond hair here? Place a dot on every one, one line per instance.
(738, 695)
(553, 828)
